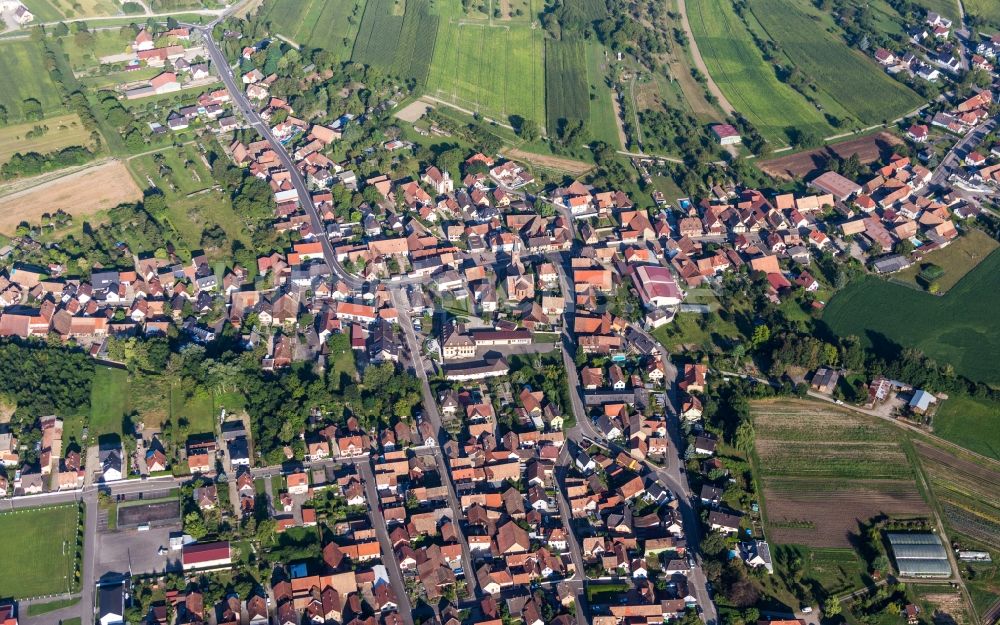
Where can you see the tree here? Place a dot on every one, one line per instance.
(832, 607)
(745, 436)
(761, 335)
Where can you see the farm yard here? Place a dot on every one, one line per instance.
(46, 537)
(399, 44)
(869, 148)
(972, 423)
(82, 193)
(328, 24)
(28, 93)
(826, 470)
(747, 81)
(957, 328)
(968, 493)
(62, 131)
(846, 79)
(566, 92)
(495, 69)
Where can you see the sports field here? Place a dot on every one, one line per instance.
(958, 328)
(20, 63)
(328, 24)
(747, 81)
(497, 70)
(39, 551)
(63, 131)
(846, 76)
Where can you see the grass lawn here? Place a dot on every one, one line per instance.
(44, 608)
(21, 65)
(972, 423)
(958, 259)
(497, 70)
(41, 560)
(686, 329)
(63, 130)
(747, 81)
(957, 328)
(104, 43)
(109, 401)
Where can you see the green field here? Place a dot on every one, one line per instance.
(63, 131)
(22, 66)
(566, 89)
(958, 328)
(497, 70)
(198, 411)
(988, 10)
(401, 45)
(109, 401)
(958, 259)
(43, 10)
(328, 24)
(603, 126)
(104, 43)
(972, 423)
(747, 81)
(39, 552)
(846, 76)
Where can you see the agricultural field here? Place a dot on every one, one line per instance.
(63, 131)
(401, 45)
(497, 70)
(967, 492)
(825, 470)
(602, 126)
(46, 537)
(44, 10)
(566, 89)
(958, 259)
(328, 24)
(972, 423)
(82, 193)
(746, 80)
(806, 164)
(20, 61)
(75, 8)
(844, 75)
(957, 328)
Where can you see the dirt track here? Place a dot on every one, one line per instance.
(559, 163)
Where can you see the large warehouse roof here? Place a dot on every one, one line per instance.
(920, 555)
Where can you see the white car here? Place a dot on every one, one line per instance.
(806, 609)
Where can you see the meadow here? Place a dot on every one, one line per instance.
(45, 538)
(747, 81)
(988, 10)
(109, 401)
(958, 259)
(20, 65)
(825, 470)
(846, 76)
(957, 328)
(63, 131)
(497, 70)
(970, 422)
(328, 24)
(401, 45)
(602, 126)
(44, 10)
(566, 89)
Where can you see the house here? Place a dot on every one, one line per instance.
(921, 401)
(757, 553)
(111, 604)
(726, 134)
(297, 483)
(200, 556)
(885, 57)
(918, 133)
(724, 522)
(694, 378)
(111, 464)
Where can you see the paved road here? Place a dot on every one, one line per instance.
(952, 162)
(431, 413)
(388, 553)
